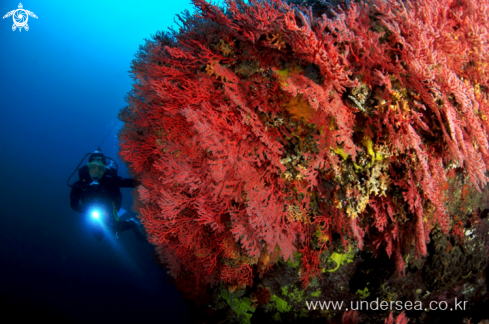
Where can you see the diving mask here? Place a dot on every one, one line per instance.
(96, 167)
(97, 170)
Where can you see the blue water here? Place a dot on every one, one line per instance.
(62, 84)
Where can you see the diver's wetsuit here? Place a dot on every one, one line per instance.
(105, 196)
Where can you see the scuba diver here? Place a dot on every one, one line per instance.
(98, 192)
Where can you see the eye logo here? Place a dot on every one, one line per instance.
(20, 17)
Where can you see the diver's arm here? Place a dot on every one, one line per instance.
(126, 183)
(75, 196)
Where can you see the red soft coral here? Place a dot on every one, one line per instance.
(264, 130)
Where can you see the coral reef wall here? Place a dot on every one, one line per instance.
(264, 131)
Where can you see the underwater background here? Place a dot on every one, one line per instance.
(62, 84)
(317, 145)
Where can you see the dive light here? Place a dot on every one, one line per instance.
(95, 214)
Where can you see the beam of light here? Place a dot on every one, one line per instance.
(98, 219)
